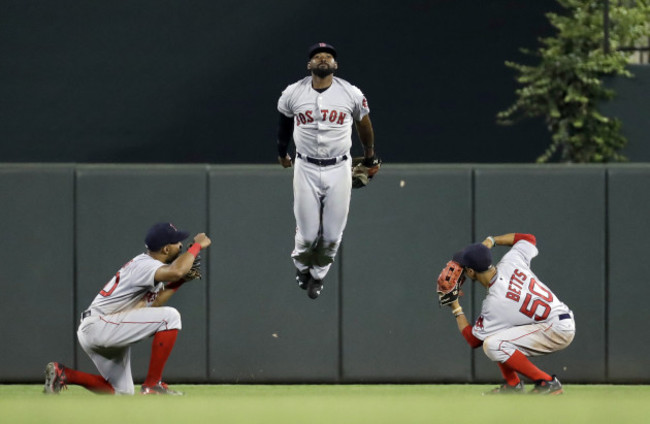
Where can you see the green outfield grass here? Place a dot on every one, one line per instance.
(335, 404)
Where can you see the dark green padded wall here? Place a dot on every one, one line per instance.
(264, 328)
(402, 229)
(38, 259)
(629, 241)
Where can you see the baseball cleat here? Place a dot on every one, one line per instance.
(551, 387)
(55, 379)
(302, 278)
(159, 389)
(506, 389)
(314, 288)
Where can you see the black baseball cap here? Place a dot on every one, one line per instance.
(162, 234)
(321, 47)
(476, 256)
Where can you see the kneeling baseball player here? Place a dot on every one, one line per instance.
(520, 316)
(129, 309)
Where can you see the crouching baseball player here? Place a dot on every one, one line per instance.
(520, 316)
(129, 309)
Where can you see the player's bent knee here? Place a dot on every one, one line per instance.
(491, 348)
(172, 318)
(497, 349)
(488, 345)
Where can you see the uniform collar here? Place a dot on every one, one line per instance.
(494, 278)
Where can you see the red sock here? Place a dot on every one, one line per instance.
(523, 366)
(162, 345)
(509, 374)
(92, 382)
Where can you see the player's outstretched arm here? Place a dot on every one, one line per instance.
(461, 319)
(285, 132)
(508, 239)
(463, 324)
(181, 265)
(366, 135)
(502, 240)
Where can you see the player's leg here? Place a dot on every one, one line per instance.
(116, 332)
(511, 348)
(336, 206)
(504, 347)
(161, 348)
(306, 209)
(58, 377)
(114, 364)
(164, 339)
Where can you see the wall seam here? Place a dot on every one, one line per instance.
(207, 270)
(472, 365)
(340, 315)
(606, 270)
(75, 272)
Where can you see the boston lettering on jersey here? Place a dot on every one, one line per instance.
(327, 115)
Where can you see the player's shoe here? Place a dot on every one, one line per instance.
(302, 278)
(314, 288)
(159, 389)
(506, 389)
(55, 379)
(552, 387)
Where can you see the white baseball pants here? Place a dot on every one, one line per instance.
(321, 205)
(531, 340)
(107, 340)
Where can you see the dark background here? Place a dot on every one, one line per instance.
(198, 81)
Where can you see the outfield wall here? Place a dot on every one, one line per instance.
(68, 228)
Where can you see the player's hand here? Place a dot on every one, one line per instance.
(202, 240)
(489, 242)
(285, 161)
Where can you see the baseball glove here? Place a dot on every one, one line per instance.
(195, 272)
(363, 169)
(450, 280)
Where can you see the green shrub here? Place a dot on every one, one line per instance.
(567, 84)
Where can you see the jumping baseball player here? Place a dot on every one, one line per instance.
(318, 111)
(520, 316)
(129, 309)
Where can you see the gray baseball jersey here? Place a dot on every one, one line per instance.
(516, 296)
(132, 283)
(323, 121)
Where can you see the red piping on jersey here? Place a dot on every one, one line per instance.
(528, 237)
(471, 338)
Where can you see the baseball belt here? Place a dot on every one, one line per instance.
(322, 162)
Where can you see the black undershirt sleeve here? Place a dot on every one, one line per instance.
(285, 132)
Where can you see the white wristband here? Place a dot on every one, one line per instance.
(494, 243)
(458, 311)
